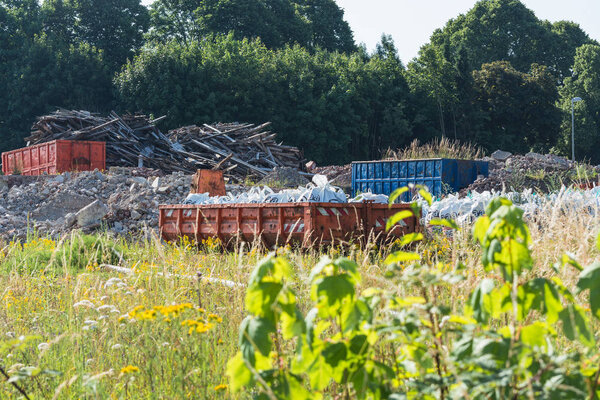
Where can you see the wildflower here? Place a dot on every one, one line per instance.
(43, 346)
(197, 326)
(129, 369)
(214, 317)
(220, 388)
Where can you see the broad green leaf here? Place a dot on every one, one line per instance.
(569, 259)
(481, 227)
(238, 373)
(348, 266)
(282, 269)
(476, 306)
(331, 292)
(264, 267)
(334, 353)
(261, 296)
(401, 256)
(462, 320)
(396, 218)
(575, 325)
(255, 332)
(410, 238)
(297, 391)
(354, 314)
(292, 325)
(318, 269)
(426, 195)
(444, 222)
(535, 334)
(589, 278)
(397, 193)
(542, 295)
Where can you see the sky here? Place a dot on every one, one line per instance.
(411, 22)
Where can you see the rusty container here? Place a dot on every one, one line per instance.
(208, 181)
(55, 157)
(308, 224)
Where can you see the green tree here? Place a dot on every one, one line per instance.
(336, 106)
(521, 107)
(39, 72)
(327, 26)
(584, 83)
(432, 74)
(114, 26)
(309, 23)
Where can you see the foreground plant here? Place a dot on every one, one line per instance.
(518, 336)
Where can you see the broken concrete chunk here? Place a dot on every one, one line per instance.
(501, 155)
(135, 214)
(70, 219)
(91, 214)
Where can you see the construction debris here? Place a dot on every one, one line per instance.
(240, 150)
(541, 172)
(118, 202)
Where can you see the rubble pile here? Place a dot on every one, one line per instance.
(338, 175)
(285, 177)
(118, 201)
(544, 173)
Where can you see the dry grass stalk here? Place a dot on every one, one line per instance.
(438, 148)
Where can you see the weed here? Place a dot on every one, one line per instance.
(438, 148)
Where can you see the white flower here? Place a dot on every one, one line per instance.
(116, 346)
(107, 308)
(112, 282)
(84, 303)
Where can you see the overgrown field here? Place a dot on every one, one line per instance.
(70, 327)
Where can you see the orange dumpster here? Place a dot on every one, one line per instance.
(307, 224)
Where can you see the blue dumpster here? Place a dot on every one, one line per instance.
(440, 175)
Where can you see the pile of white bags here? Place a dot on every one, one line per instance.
(320, 191)
(467, 209)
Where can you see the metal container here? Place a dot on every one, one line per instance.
(208, 181)
(440, 175)
(55, 157)
(308, 224)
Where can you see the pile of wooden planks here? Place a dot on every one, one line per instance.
(241, 150)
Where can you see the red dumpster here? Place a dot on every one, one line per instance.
(279, 223)
(55, 157)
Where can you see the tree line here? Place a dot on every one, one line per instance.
(496, 76)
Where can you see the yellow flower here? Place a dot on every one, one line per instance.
(220, 387)
(129, 369)
(214, 317)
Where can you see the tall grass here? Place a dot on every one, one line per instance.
(438, 148)
(159, 332)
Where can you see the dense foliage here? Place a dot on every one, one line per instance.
(518, 335)
(497, 75)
